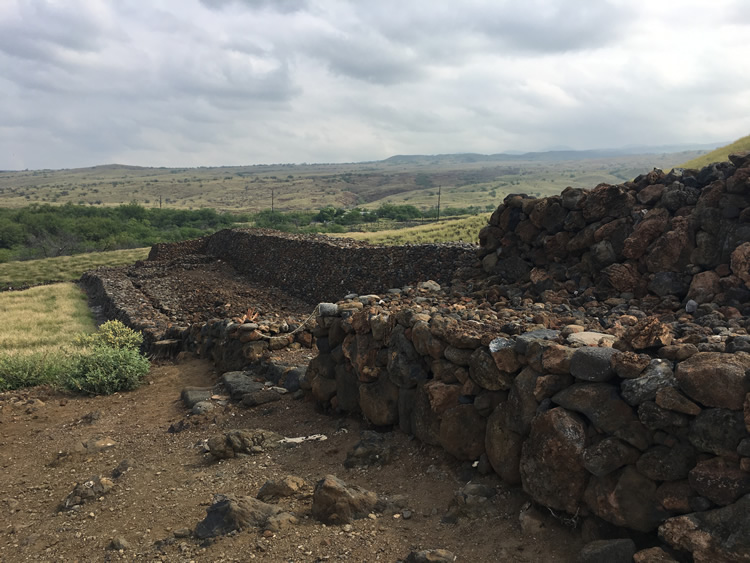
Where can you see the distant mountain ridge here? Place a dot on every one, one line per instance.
(544, 156)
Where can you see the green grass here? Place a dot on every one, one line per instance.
(64, 268)
(465, 229)
(47, 338)
(37, 331)
(719, 155)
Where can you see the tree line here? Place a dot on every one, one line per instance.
(43, 231)
(338, 220)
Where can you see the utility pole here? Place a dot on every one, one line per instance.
(438, 211)
(272, 200)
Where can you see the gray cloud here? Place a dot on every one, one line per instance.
(209, 82)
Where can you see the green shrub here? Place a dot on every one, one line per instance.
(27, 370)
(104, 370)
(112, 334)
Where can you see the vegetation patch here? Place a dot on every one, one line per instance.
(44, 231)
(465, 229)
(64, 268)
(719, 155)
(48, 338)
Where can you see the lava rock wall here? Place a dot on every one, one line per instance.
(671, 237)
(318, 268)
(654, 436)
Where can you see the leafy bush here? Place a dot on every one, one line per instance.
(104, 370)
(110, 363)
(112, 334)
(27, 370)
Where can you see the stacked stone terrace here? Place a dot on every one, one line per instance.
(593, 349)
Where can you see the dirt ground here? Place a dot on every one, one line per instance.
(155, 504)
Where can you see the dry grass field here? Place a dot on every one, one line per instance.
(64, 268)
(465, 180)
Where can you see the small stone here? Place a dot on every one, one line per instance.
(119, 544)
(202, 407)
(609, 551)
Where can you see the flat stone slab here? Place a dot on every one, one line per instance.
(194, 395)
(239, 384)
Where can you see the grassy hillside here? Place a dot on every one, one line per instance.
(478, 180)
(465, 229)
(719, 155)
(64, 268)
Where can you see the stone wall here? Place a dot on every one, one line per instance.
(669, 237)
(638, 437)
(319, 268)
(594, 349)
(600, 358)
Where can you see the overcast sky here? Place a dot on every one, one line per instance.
(220, 82)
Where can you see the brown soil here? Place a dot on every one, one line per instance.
(172, 482)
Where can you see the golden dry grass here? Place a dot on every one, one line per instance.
(64, 268)
(719, 155)
(42, 319)
(465, 229)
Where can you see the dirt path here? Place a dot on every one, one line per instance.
(171, 483)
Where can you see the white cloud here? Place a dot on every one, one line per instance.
(211, 82)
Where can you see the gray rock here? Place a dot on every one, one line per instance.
(607, 551)
(405, 365)
(669, 283)
(119, 544)
(430, 556)
(429, 285)
(662, 463)
(609, 455)
(260, 397)
(229, 513)
(592, 364)
(717, 431)
(238, 383)
(656, 418)
(722, 534)
(644, 388)
(471, 501)
(202, 407)
(335, 502)
(523, 341)
(600, 402)
(328, 309)
(247, 442)
(551, 466)
(192, 395)
(373, 448)
(484, 372)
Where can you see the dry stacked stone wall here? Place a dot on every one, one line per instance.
(326, 269)
(667, 238)
(599, 357)
(594, 350)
